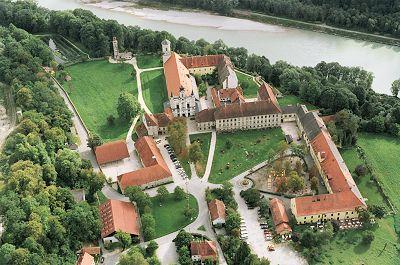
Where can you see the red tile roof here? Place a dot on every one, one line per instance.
(217, 209)
(279, 216)
(112, 151)
(118, 215)
(345, 193)
(202, 61)
(141, 130)
(204, 249)
(206, 115)
(159, 119)
(265, 92)
(155, 167)
(91, 250)
(246, 109)
(177, 77)
(85, 259)
(215, 98)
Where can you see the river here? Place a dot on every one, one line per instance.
(298, 47)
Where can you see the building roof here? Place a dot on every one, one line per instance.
(246, 109)
(204, 249)
(177, 77)
(91, 250)
(312, 124)
(85, 259)
(165, 42)
(265, 92)
(155, 167)
(217, 209)
(206, 115)
(290, 109)
(112, 151)
(215, 97)
(158, 119)
(141, 130)
(202, 61)
(118, 215)
(327, 203)
(279, 216)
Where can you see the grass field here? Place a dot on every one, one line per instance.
(154, 90)
(169, 215)
(204, 139)
(95, 91)
(249, 148)
(252, 90)
(293, 100)
(383, 153)
(149, 60)
(345, 247)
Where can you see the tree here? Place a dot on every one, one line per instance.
(195, 153)
(179, 193)
(232, 222)
(228, 144)
(111, 120)
(94, 141)
(182, 239)
(360, 170)
(6, 251)
(188, 212)
(68, 165)
(128, 106)
(378, 210)
(395, 87)
(136, 258)
(251, 196)
(295, 182)
(151, 248)
(367, 237)
(184, 256)
(242, 253)
(135, 194)
(177, 130)
(124, 238)
(148, 226)
(314, 183)
(162, 193)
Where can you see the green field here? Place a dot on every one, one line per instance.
(345, 247)
(154, 90)
(169, 215)
(204, 139)
(251, 91)
(149, 60)
(293, 100)
(383, 153)
(95, 89)
(249, 148)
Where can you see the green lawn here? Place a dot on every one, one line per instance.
(149, 60)
(293, 100)
(154, 90)
(169, 215)
(367, 187)
(383, 153)
(249, 148)
(345, 247)
(204, 139)
(96, 86)
(102, 197)
(252, 89)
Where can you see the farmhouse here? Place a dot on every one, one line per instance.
(156, 124)
(118, 216)
(204, 250)
(279, 216)
(155, 171)
(260, 114)
(344, 198)
(217, 212)
(112, 152)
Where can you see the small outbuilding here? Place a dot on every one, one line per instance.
(280, 218)
(217, 212)
(201, 251)
(111, 152)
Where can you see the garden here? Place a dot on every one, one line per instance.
(250, 88)
(240, 151)
(94, 89)
(154, 90)
(204, 140)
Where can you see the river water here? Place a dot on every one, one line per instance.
(298, 47)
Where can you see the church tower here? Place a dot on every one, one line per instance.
(115, 48)
(166, 49)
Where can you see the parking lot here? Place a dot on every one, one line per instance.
(259, 241)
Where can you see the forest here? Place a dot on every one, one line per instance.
(372, 16)
(43, 224)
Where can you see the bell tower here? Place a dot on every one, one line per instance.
(115, 48)
(166, 49)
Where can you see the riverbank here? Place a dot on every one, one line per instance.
(321, 28)
(279, 21)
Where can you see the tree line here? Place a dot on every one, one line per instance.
(43, 223)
